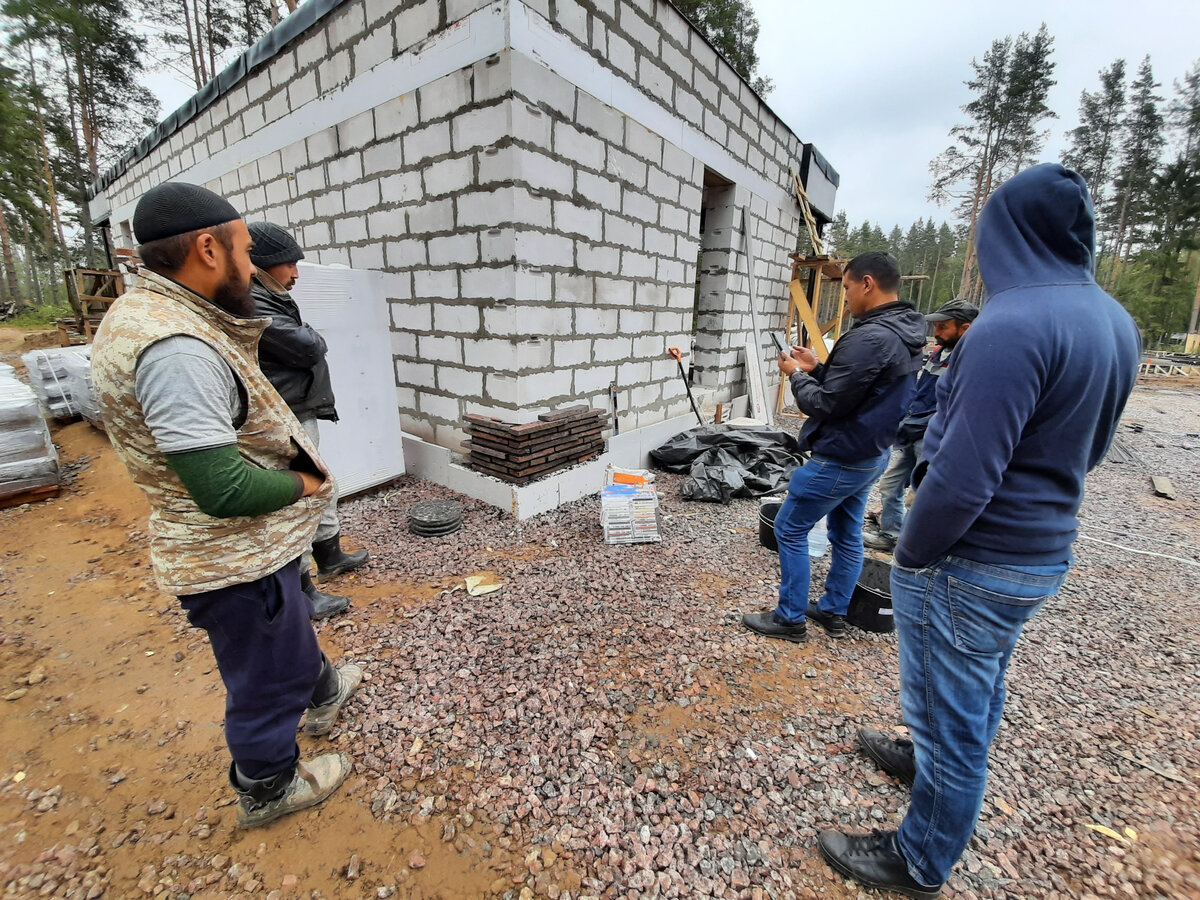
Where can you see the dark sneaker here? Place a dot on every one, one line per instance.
(884, 542)
(311, 784)
(320, 719)
(834, 625)
(892, 754)
(768, 623)
(874, 861)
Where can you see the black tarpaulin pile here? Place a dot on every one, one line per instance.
(726, 462)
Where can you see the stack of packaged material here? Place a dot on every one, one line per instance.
(28, 460)
(629, 507)
(78, 366)
(48, 375)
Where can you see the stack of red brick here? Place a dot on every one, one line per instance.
(522, 453)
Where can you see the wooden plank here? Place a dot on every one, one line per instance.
(808, 318)
(30, 496)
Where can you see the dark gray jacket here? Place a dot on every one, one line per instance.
(292, 355)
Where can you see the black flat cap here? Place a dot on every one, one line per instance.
(177, 208)
(272, 246)
(958, 309)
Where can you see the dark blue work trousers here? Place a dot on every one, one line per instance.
(270, 661)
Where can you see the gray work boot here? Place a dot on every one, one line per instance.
(319, 719)
(323, 605)
(311, 783)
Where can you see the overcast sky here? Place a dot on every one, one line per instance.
(876, 85)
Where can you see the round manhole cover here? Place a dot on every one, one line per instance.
(433, 518)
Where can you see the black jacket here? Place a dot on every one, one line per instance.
(292, 355)
(856, 399)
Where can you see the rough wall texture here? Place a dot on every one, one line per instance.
(538, 246)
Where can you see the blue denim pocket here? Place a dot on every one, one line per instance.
(987, 621)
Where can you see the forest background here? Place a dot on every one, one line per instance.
(72, 100)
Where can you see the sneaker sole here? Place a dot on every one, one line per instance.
(847, 872)
(307, 804)
(885, 766)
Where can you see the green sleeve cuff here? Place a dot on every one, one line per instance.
(224, 485)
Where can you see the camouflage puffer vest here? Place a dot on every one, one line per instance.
(191, 551)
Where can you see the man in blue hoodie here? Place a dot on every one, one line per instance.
(1028, 407)
(854, 403)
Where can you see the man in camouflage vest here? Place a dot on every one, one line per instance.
(236, 488)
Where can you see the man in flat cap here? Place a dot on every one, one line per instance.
(236, 488)
(292, 356)
(950, 322)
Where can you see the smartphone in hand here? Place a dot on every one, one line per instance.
(779, 343)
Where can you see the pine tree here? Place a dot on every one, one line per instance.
(1095, 139)
(21, 188)
(732, 27)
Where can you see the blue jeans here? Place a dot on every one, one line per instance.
(957, 622)
(891, 487)
(836, 492)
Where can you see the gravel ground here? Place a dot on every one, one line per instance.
(608, 710)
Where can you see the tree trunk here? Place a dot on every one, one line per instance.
(204, 73)
(212, 56)
(85, 218)
(9, 264)
(31, 259)
(86, 123)
(1195, 310)
(48, 172)
(197, 75)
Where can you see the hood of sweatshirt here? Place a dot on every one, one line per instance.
(902, 319)
(1037, 228)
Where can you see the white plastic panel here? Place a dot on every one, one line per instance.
(364, 448)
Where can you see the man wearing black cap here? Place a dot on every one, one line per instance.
(950, 322)
(236, 488)
(292, 356)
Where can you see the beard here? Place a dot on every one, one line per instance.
(233, 295)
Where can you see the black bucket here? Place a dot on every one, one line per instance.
(766, 525)
(871, 603)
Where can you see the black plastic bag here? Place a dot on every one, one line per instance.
(724, 462)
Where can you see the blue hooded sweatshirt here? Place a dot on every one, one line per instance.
(1034, 390)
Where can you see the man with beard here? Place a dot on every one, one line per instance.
(236, 488)
(292, 356)
(950, 322)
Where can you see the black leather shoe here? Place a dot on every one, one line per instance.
(768, 623)
(332, 560)
(874, 861)
(834, 625)
(892, 754)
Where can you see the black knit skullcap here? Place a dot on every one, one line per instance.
(272, 246)
(177, 208)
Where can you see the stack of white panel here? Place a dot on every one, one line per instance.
(27, 456)
(48, 374)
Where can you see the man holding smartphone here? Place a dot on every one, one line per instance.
(854, 402)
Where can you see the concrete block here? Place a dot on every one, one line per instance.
(403, 187)
(396, 116)
(542, 387)
(436, 284)
(460, 382)
(362, 196)
(611, 291)
(660, 242)
(643, 143)
(280, 70)
(329, 204)
(622, 232)
(385, 157)
(437, 406)
(598, 321)
(643, 396)
(334, 72)
(344, 168)
(301, 90)
(416, 427)
(678, 220)
(715, 127)
(534, 353)
(454, 250)
(530, 124)
(431, 217)
(635, 264)
(445, 96)
(689, 107)
(705, 86)
(496, 165)
(405, 254)
(357, 131)
(498, 354)
(348, 229)
(636, 321)
(416, 23)
(543, 87)
(649, 346)
(628, 168)
(621, 54)
(601, 190)
(593, 378)
(426, 143)
(492, 77)
(414, 374)
(375, 47)
(308, 181)
(671, 271)
(570, 218)
(397, 286)
(571, 353)
(572, 17)
(572, 288)
(497, 245)
(597, 116)
(439, 348)
(312, 48)
(450, 176)
(368, 256)
(534, 285)
(501, 388)
(541, 172)
(639, 206)
(316, 235)
(536, 248)
(460, 9)
(300, 211)
(322, 145)
(573, 144)
(404, 343)
(641, 30)
(348, 23)
(234, 131)
(531, 210)
(612, 349)
(484, 208)
(456, 318)
(631, 373)
(597, 258)
(672, 322)
(406, 399)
